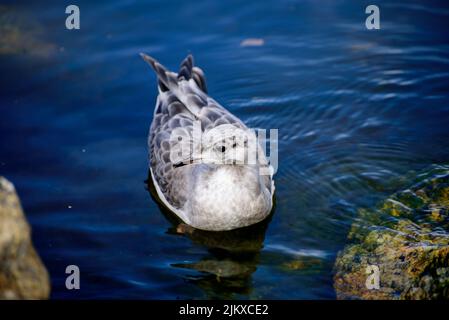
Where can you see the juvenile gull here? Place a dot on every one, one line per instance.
(209, 183)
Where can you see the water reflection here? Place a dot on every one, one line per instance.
(231, 256)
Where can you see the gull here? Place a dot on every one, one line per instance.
(206, 165)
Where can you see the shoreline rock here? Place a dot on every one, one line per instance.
(22, 273)
(407, 238)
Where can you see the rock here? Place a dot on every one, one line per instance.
(20, 33)
(407, 238)
(22, 274)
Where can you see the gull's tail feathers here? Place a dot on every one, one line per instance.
(168, 80)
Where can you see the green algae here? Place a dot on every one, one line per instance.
(407, 237)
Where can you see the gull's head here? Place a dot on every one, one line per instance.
(223, 146)
(229, 145)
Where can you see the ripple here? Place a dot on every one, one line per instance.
(296, 252)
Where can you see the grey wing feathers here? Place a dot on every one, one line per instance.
(200, 79)
(185, 70)
(171, 118)
(167, 78)
(188, 71)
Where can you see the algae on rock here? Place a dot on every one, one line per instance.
(407, 238)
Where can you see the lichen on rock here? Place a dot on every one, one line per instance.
(407, 238)
(22, 274)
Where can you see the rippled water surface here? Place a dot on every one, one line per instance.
(356, 110)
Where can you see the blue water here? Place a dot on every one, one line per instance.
(356, 110)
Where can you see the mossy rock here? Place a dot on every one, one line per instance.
(407, 238)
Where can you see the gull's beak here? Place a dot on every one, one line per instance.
(188, 161)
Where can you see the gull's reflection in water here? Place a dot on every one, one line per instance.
(231, 259)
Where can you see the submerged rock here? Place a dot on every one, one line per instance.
(20, 33)
(407, 238)
(22, 274)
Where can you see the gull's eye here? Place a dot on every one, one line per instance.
(234, 145)
(220, 148)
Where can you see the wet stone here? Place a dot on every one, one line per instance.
(407, 238)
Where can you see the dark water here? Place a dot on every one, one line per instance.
(356, 110)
